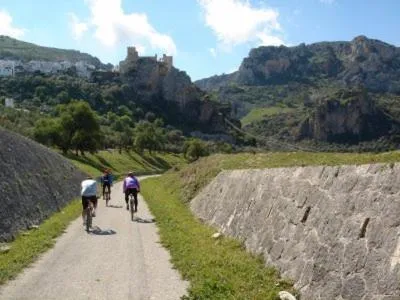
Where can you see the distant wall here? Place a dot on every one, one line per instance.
(34, 183)
(334, 230)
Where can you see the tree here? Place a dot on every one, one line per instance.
(194, 148)
(47, 131)
(149, 136)
(80, 128)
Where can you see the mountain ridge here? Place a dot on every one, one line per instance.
(348, 61)
(290, 93)
(14, 49)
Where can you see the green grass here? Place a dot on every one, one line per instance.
(28, 245)
(257, 114)
(216, 269)
(120, 163)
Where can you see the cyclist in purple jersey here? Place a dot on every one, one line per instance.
(131, 186)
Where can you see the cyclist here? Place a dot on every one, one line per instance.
(131, 186)
(88, 193)
(106, 182)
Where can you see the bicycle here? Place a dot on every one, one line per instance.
(89, 215)
(132, 206)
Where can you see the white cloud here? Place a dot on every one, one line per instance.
(78, 28)
(6, 26)
(112, 25)
(236, 22)
(268, 39)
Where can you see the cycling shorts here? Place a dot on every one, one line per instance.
(86, 199)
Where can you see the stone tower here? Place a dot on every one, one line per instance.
(168, 60)
(130, 60)
(133, 55)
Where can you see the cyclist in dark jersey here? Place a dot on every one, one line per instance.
(106, 182)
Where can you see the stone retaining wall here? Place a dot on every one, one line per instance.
(334, 230)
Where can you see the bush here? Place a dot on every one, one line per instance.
(194, 148)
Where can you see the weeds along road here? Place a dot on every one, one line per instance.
(119, 260)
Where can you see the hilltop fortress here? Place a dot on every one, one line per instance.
(133, 58)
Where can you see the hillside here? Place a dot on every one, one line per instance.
(34, 182)
(301, 79)
(14, 49)
(121, 163)
(146, 89)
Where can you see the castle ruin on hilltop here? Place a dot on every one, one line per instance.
(133, 57)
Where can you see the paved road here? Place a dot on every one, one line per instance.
(119, 260)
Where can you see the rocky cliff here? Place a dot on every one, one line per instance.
(346, 116)
(34, 183)
(365, 61)
(333, 230)
(173, 92)
(307, 81)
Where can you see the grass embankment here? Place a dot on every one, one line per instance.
(222, 269)
(257, 114)
(28, 245)
(216, 268)
(120, 163)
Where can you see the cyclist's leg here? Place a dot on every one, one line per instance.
(93, 199)
(85, 203)
(134, 192)
(104, 188)
(109, 191)
(127, 199)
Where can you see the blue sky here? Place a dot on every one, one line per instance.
(206, 37)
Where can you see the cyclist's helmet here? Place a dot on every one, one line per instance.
(130, 173)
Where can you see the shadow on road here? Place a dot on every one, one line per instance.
(140, 220)
(98, 231)
(115, 206)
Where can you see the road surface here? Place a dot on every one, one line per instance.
(120, 259)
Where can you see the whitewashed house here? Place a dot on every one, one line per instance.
(6, 68)
(9, 102)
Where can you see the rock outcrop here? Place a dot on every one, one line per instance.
(333, 230)
(369, 62)
(157, 81)
(347, 116)
(34, 183)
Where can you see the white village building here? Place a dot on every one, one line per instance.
(9, 102)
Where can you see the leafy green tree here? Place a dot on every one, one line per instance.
(174, 136)
(47, 131)
(149, 136)
(62, 97)
(150, 116)
(80, 127)
(194, 148)
(41, 92)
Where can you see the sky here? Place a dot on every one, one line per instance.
(205, 37)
